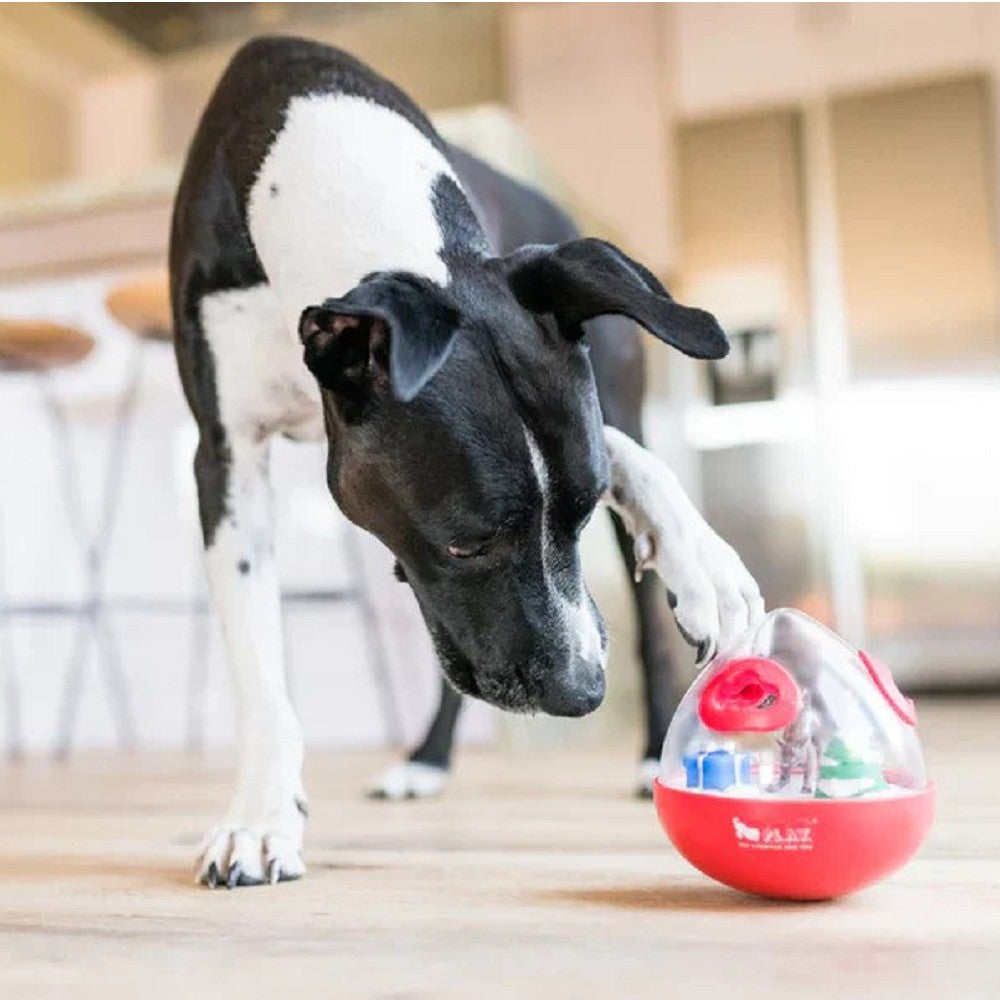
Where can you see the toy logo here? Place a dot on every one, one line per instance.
(745, 832)
(774, 838)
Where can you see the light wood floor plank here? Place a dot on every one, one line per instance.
(535, 876)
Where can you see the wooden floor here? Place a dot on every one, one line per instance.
(535, 876)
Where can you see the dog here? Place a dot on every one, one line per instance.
(332, 275)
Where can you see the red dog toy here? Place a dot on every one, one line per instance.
(792, 768)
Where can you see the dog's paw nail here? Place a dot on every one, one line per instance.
(212, 876)
(703, 648)
(251, 854)
(643, 548)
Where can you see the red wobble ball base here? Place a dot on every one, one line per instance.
(801, 850)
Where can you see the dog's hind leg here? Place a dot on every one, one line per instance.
(657, 661)
(424, 773)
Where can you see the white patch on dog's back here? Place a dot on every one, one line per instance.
(578, 617)
(344, 190)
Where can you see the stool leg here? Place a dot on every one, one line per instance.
(73, 504)
(374, 639)
(94, 623)
(11, 691)
(115, 681)
(65, 465)
(11, 687)
(114, 481)
(114, 475)
(73, 685)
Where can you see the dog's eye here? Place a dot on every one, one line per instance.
(468, 551)
(503, 536)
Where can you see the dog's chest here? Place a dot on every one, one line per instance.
(345, 189)
(261, 384)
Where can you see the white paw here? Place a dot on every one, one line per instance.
(714, 598)
(717, 600)
(647, 772)
(409, 779)
(247, 853)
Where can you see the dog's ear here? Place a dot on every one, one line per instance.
(394, 329)
(585, 278)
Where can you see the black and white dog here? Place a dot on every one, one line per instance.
(320, 214)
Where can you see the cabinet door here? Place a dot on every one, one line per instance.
(916, 207)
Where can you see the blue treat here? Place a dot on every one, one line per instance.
(716, 770)
(691, 770)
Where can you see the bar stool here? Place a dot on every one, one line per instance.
(42, 348)
(141, 305)
(39, 348)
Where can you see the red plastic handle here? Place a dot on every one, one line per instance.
(753, 695)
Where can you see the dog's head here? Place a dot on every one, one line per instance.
(465, 433)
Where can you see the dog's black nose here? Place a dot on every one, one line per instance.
(575, 693)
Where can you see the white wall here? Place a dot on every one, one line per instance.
(586, 81)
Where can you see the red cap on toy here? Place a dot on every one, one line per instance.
(750, 695)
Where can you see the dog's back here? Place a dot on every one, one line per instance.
(308, 171)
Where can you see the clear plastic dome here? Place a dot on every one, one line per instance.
(794, 712)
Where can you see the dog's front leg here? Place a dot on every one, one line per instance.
(713, 596)
(260, 836)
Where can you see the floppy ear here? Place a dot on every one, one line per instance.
(579, 280)
(393, 327)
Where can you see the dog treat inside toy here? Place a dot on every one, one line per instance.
(792, 767)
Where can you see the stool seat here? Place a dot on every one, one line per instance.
(142, 305)
(38, 345)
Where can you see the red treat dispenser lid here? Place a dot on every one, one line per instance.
(751, 694)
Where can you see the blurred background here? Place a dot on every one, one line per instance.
(822, 176)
